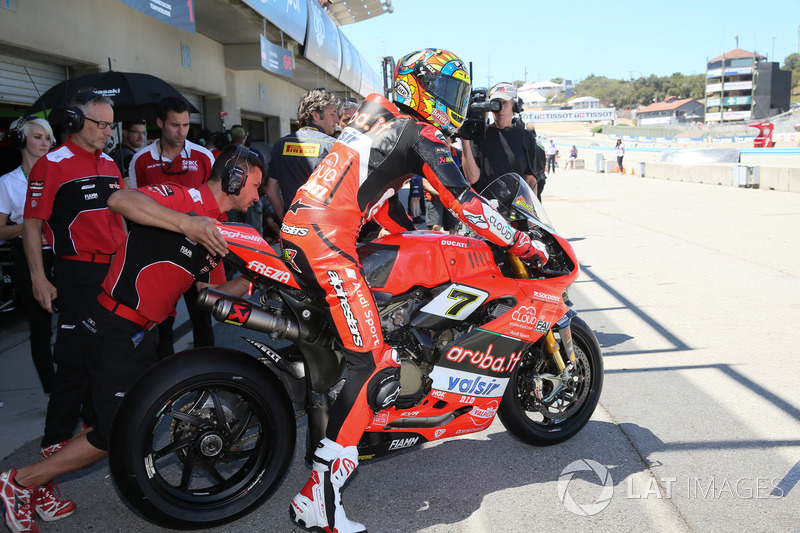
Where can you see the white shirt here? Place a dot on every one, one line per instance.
(551, 149)
(620, 151)
(13, 189)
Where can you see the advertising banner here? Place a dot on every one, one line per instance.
(276, 59)
(178, 13)
(350, 74)
(322, 40)
(569, 115)
(290, 16)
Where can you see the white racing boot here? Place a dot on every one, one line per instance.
(318, 507)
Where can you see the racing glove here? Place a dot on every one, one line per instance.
(525, 248)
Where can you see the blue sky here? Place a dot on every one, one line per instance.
(571, 40)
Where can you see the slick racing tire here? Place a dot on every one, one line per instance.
(201, 439)
(534, 410)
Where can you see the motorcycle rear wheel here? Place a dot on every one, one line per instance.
(543, 425)
(203, 438)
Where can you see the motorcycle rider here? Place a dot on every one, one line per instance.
(383, 146)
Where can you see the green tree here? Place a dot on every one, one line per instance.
(792, 64)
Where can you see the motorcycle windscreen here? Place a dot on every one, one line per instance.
(517, 201)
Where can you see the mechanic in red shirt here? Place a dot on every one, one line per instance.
(175, 159)
(66, 199)
(150, 272)
(382, 147)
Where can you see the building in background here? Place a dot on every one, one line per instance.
(743, 86)
(244, 62)
(671, 111)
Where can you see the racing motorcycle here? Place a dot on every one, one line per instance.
(207, 435)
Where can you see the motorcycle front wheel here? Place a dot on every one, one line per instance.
(536, 410)
(201, 439)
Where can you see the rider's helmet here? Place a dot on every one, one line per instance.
(435, 85)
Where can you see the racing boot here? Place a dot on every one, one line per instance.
(318, 507)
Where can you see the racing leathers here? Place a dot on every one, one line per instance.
(380, 150)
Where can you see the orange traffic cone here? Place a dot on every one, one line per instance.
(633, 172)
(616, 170)
(623, 170)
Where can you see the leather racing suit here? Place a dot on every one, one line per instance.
(380, 150)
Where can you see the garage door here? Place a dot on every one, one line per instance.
(23, 80)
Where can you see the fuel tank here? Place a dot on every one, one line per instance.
(427, 259)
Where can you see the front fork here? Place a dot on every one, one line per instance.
(558, 350)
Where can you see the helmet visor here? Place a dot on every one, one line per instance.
(451, 92)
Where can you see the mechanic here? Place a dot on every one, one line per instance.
(150, 272)
(295, 156)
(503, 147)
(175, 159)
(66, 198)
(381, 148)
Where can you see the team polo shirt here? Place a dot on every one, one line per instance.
(294, 158)
(191, 168)
(154, 266)
(68, 189)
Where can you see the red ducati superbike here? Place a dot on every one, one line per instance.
(206, 435)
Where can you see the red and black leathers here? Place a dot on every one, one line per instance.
(379, 151)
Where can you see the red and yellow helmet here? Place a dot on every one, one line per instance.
(435, 84)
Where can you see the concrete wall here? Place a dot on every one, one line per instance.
(776, 172)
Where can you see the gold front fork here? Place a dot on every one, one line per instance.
(550, 342)
(518, 267)
(552, 347)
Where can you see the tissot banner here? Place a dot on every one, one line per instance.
(178, 13)
(569, 115)
(288, 15)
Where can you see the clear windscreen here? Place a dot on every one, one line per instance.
(517, 201)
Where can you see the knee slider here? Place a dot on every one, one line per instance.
(383, 388)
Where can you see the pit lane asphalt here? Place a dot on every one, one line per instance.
(694, 293)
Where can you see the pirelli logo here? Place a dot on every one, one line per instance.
(301, 149)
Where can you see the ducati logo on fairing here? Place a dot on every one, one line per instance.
(352, 323)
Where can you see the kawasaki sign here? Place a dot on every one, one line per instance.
(569, 115)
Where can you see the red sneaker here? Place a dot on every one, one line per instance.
(18, 504)
(53, 448)
(50, 506)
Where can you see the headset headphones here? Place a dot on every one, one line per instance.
(73, 116)
(235, 175)
(17, 138)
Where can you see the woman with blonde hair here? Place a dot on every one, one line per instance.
(33, 137)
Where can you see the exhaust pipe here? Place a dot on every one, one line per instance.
(242, 313)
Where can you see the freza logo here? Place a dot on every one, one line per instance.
(601, 502)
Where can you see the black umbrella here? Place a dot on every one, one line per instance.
(135, 95)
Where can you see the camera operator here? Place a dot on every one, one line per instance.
(490, 152)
